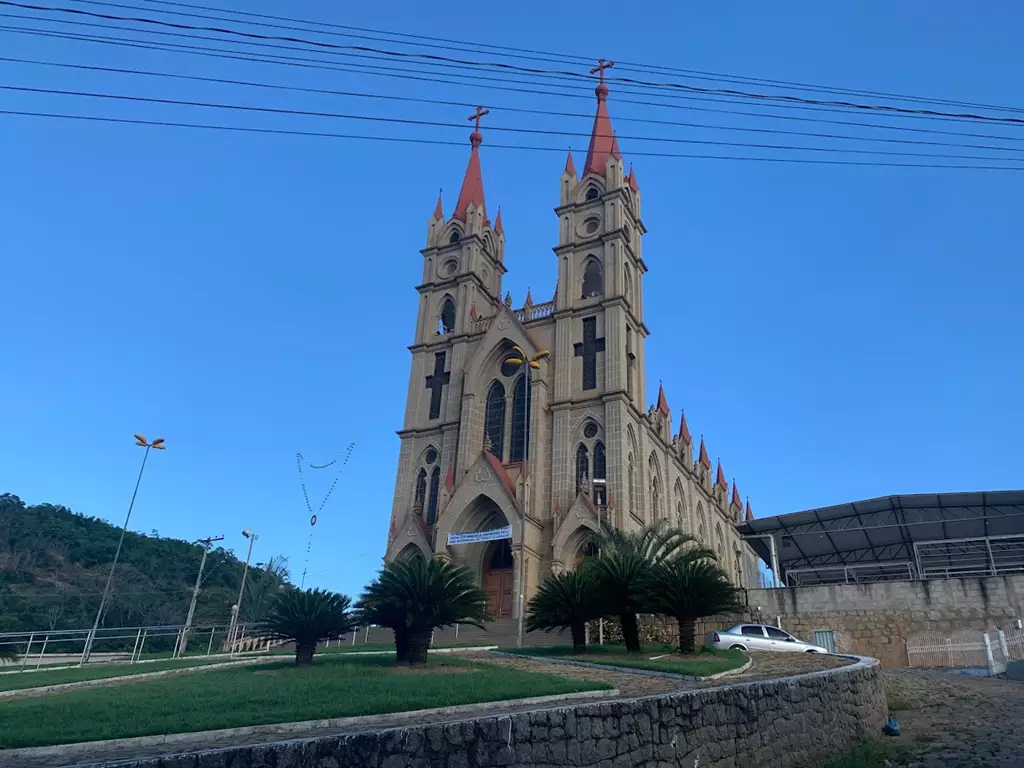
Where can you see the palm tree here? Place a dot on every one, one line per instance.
(566, 600)
(688, 588)
(624, 566)
(307, 617)
(413, 597)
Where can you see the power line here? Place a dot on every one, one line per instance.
(502, 108)
(536, 55)
(880, 108)
(383, 71)
(461, 126)
(440, 142)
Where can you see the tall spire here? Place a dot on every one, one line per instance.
(720, 479)
(736, 495)
(750, 513)
(497, 222)
(438, 210)
(570, 166)
(684, 430)
(702, 456)
(603, 143)
(473, 184)
(662, 400)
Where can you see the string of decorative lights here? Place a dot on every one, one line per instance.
(299, 459)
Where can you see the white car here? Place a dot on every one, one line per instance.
(759, 637)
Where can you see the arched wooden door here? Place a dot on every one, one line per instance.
(498, 568)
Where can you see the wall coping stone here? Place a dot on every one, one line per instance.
(627, 670)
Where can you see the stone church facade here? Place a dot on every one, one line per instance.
(596, 451)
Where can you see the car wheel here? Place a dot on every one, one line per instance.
(737, 648)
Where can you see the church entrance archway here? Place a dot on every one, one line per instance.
(498, 581)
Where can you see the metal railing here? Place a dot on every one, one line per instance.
(129, 644)
(850, 574)
(966, 649)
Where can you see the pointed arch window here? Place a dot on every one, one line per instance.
(494, 420)
(582, 467)
(435, 483)
(632, 501)
(454, 237)
(593, 193)
(520, 420)
(446, 322)
(421, 491)
(655, 498)
(600, 476)
(627, 284)
(593, 279)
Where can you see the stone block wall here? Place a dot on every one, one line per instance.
(790, 722)
(876, 619)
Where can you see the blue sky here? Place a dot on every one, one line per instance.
(835, 333)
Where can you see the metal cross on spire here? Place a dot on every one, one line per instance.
(480, 112)
(602, 65)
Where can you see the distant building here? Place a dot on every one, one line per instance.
(597, 451)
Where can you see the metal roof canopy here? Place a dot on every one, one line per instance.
(885, 529)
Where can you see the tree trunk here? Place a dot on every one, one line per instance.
(419, 642)
(402, 646)
(630, 632)
(579, 637)
(687, 629)
(304, 653)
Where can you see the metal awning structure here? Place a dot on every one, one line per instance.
(944, 535)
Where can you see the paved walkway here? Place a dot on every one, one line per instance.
(955, 721)
(628, 685)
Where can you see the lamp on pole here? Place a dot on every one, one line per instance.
(237, 607)
(520, 358)
(141, 441)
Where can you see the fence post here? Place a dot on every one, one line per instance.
(136, 646)
(28, 650)
(1003, 645)
(949, 651)
(39, 661)
(366, 637)
(354, 633)
(209, 648)
(142, 642)
(989, 659)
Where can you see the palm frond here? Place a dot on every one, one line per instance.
(563, 600)
(309, 616)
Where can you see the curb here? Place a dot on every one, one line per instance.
(385, 721)
(57, 687)
(460, 649)
(626, 670)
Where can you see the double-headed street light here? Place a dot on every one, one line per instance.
(516, 359)
(141, 441)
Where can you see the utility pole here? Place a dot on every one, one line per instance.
(183, 639)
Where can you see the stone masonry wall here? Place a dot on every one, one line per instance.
(789, 722)
(876, 619)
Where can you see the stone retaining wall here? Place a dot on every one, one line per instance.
(787, 722)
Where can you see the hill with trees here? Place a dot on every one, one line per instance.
(54, 564)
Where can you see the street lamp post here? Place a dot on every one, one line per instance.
(237, 608)
(158, 444)
(520, 358)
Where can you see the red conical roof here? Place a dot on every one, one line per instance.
(438, 210)
(684, 431)
(603, 143)
(497, 222)
(703, 457)
(662, 401)
(736, 496)
(570, 166)
(720, 478)
(472, 192)
(631, 180)
(529, 299)
(750, 513)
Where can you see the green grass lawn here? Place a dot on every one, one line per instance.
(335, 686)
(97, 671)
(704, 662)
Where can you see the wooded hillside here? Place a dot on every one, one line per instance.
(54, 563)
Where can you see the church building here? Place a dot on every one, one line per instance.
(555, 453)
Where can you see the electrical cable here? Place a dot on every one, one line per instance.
(881, 108)
(501, 108)
(438, 142)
